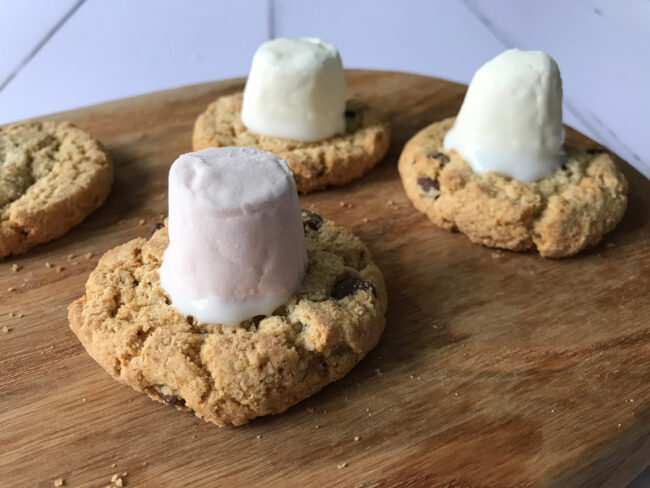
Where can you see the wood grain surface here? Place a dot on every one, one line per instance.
(495, 369)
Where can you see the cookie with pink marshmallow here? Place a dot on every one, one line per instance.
(242, 304)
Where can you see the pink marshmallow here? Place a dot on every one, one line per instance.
(236, 239)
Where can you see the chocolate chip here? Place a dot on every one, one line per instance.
(170, 399)
(427, 184)
(153, 229)
(311, 220)
(350, 114)
(173, 400)
(347, 285)
(443, 158)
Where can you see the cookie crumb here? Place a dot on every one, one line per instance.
(6, 329)
(113, 465)
(15, 268)
(496, 255)
(310, 410)
(12, 314)
(365, 220)
(48, 264)
(619, 426)
(411, 376)
(59, 482)
(89, 255)
(378, 372)
(11, 289)
(419, 377)
(144, 463)
(20, 315)
(357, 438)
(83, 399)
(59, 269)
(318, 427)
(341, 465)
(74, 263)
(259, 436)
(141, 222)
(70, 257)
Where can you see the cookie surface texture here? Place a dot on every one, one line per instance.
(52, 176)
(229, 375)
(315, 165)
(558, 216)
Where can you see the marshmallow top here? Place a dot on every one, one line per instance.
(236, 239)
(511, 118)
(295, 90)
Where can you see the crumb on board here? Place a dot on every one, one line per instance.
(59, 482)
(310, 410)
(378, 372)
(341, 465)
(15, 267)
(357, 438)
(6, 329)
(411, 376)
(20, 315)
(114, 465)
(11, 289)
(318, 427)
(141, 222)
(59, 269)
(48, 264)
(83, 399)
(70, 257)
(259, 436)
(365, 220)
(89, 255)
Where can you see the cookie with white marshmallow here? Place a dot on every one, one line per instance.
(501, 172)
(242, 304)
(294, 104)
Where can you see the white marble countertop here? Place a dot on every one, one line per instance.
(62, 54)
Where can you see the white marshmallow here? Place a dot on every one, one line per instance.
(236, 238)
(511, 118)
(295, 90)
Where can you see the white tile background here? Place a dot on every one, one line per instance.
(61, 54)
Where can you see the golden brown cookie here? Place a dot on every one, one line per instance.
(559, 216)
(225, 374)
(52, 176)
(315, 165)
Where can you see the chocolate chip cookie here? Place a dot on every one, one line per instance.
(229, 375)
(558, 216)
(52, 176)
(315, 165)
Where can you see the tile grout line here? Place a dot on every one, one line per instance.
(271, 20)
(41, 43)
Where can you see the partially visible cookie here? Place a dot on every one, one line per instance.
(315, 165)
(559, 216)
(52, 175)
(228, 375)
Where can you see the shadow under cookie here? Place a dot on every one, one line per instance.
(315, 165)
(225, 374)
(558, 216)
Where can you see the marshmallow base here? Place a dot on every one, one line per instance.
(213, 310)
(526, 166)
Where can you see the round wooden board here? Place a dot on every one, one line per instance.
(495, 369)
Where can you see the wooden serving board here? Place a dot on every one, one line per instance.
(495, 369)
